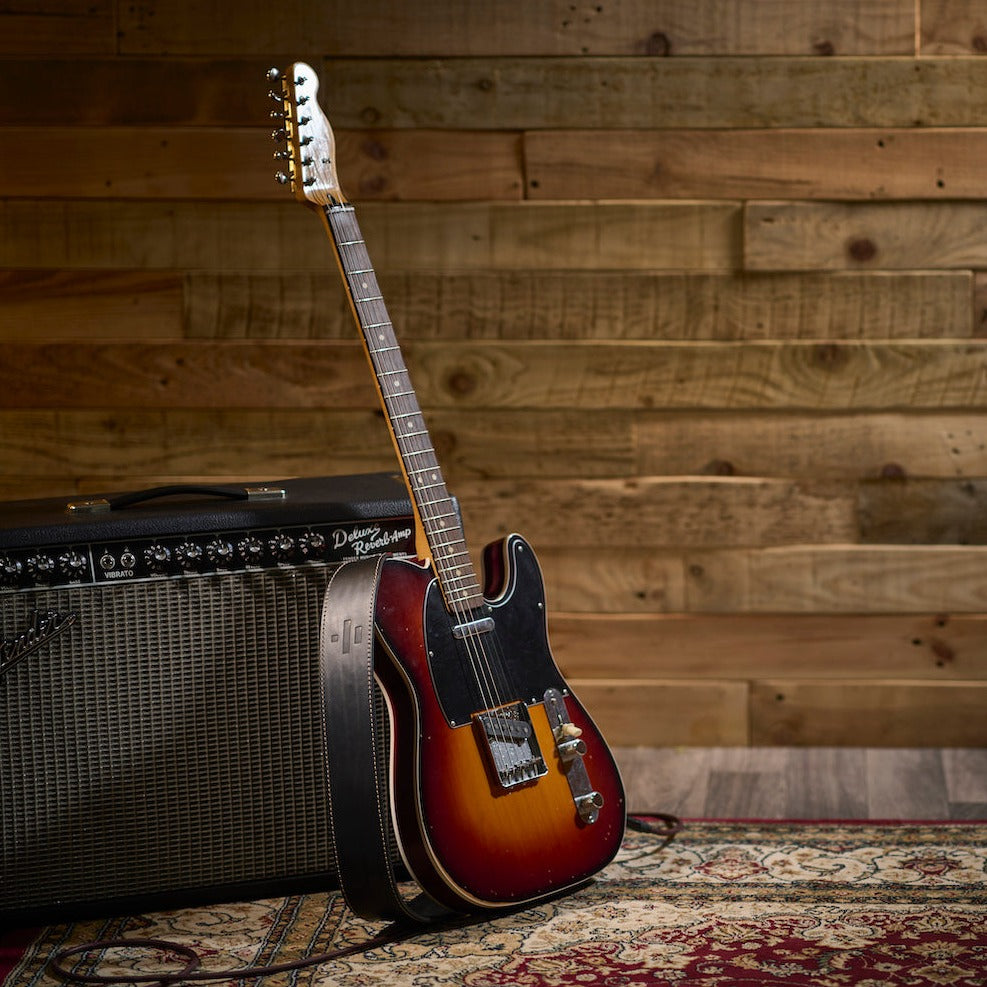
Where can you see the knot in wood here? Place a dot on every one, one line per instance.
(861, 249)
(824, 48)
(893, 471)
(830, 356)
(370, 114)
(461, 383)
(658, 45)
(374, 149)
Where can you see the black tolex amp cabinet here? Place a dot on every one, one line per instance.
(161, 739)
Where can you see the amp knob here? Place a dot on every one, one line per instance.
(10, 570)
(251, 550)
(73, 564)
(40, 567)
(157, 557)
(219, 552)
(281, 546)
(189, 554)
(312, 544)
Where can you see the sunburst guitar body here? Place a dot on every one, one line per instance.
(503, 791)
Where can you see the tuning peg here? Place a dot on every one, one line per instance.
(281, 178)
(303, 120)
(273, 75)
(275, 96)
(277, 115)
(301, 80)
(282, 155)
(279, 135)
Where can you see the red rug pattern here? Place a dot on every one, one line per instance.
(725, 905)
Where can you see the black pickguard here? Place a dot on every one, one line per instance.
(508, 664)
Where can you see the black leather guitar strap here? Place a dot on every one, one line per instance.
(359, 803)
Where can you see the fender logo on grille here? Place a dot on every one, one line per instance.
(44, 627)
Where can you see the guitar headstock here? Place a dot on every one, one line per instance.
(310, 147)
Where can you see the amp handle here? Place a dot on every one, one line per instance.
(125, 500)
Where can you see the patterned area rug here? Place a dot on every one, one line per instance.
(724, 904)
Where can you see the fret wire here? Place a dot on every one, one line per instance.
(451, 558)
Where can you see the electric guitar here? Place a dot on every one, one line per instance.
(503, 790)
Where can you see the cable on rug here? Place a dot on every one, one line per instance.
(660, 824)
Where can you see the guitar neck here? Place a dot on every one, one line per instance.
(436, 515)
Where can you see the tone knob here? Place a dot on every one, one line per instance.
(73, 564)
(10, 570)
(251, 550)
(281, 546)
(157, 557)
(219, 552)
(40, 566)
(312, 544)
(188, 554)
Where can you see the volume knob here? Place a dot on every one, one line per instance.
(189, 554)
(10, 570)
(41, 567)
(157, 556)
(281, 546)
(219, 552)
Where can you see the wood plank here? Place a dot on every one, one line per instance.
(619, 93)
(952, 27)
(236, 163)
(658, 713)
(787, 236)
(927, 647)
(81, 27)
(628, 27)
(794, 579)
(909, 511)
(52, 304)
(889, 713)
(147, 92)
(297, 443)
(695, 512)
(852, 447)
(816, 578)
(269, 237)
(592, 305)
(825, 782)
(861, 163)
(907, 784)
(478, 374)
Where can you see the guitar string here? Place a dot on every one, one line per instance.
(431, 498)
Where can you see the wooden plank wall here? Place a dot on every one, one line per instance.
(691, 290)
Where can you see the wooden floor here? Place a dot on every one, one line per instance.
(806, 783)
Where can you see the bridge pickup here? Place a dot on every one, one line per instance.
(512, 744)
(482, 625)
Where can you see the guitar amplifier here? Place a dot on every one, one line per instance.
(161, 739)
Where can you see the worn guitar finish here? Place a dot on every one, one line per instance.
(503, 790)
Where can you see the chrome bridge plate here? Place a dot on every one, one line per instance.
(571, 751)
(512, 744)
